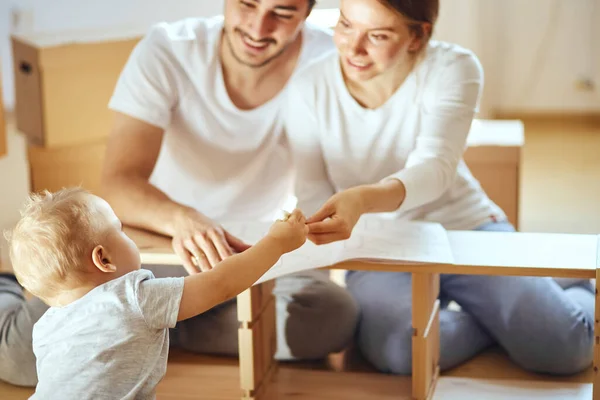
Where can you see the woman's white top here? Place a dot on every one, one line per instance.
(417, 136)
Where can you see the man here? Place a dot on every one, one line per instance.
(197, 139)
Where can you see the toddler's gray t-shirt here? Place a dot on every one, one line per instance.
(110, 344)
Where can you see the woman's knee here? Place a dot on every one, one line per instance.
(559, 352)
(212, 332)
(385, 326)
(388, 348)
(568, 361)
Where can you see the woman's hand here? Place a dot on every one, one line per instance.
(336, 219)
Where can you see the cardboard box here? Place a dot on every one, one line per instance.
(494, 157)
(3, 146)
(53, 169)
(63, 86)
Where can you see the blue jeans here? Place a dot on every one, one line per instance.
(545, 325)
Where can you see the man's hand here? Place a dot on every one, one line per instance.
(201, 243)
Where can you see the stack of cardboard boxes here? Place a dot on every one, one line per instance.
(62, 92)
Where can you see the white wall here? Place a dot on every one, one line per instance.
(533, 51)
(5, 56)
(541, 62)
(14, 184)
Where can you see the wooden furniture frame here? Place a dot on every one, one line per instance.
(477, 253)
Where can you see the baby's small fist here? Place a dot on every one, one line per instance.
(290, 232)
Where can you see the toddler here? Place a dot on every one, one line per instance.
(105, 335)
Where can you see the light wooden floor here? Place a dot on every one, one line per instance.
(210, 378)
(560, 193)
(560, 189)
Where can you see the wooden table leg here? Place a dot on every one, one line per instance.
(257, 339)
(426, 334)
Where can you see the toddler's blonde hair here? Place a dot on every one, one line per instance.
(49, 245)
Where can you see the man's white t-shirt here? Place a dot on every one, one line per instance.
(418, 136)
(227, 163)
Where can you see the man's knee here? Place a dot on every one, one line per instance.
(213, 332)
(17, 317)
(17, 361)
(17, 367)
(322, 320)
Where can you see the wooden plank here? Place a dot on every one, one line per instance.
(491, 270)
(252, 301)
(425, 287)
(263, 389)
(420, 372)
(425, 367)
(269, 336)
(165, 257)
(257, 346)
(475, 253)
(430, 342)
(432, 336)
(425, 341)
(249, 363)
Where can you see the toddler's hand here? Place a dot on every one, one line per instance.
(291, 232)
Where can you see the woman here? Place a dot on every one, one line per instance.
(382, 123)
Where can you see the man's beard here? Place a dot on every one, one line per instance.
(248, 64)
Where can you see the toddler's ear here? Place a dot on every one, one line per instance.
(101, 260)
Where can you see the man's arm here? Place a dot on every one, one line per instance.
(131, 155)
(230, 277)
(133, 149)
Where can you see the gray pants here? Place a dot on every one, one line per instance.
(315, 317)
